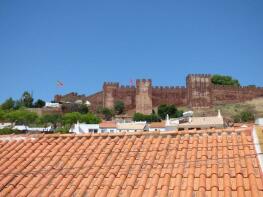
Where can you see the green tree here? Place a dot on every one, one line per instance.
(108, 113)
(27, 99)
(71, 118)
(90, 118)
(244, 116)
(75, 107)
(2, 115)
(39, 103)
(8, 104)
(53, 119)
(83, 109)
(18, 104)
(147, 118)
(224, 80)
(171, 110)
(21, 117)
(119, 107)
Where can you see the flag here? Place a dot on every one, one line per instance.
(60, 84)
(131, 82)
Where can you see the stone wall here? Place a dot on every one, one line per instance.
(169, 95)
(230, 94)
(199, 92)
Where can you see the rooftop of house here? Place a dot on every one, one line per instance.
(183, 163)
(132, 126)
(203, 121)
(108, 124)
(157, 125)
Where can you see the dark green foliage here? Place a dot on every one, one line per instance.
(224, 80)
(27, 99)
(7, 131)
(74, 107)
(39, 103)
(147, 118)
(8, 104)
(83, 109)
(245, 116)
(119, 107)
(108, 113)
(53, 119)
(2, 115)
(171, 110)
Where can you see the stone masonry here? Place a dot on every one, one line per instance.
(199, 92)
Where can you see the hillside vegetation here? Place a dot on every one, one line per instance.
(229, 111)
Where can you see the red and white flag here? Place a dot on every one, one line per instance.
(60, 84)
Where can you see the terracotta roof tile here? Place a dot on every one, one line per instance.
(108, 124)
(210, 163)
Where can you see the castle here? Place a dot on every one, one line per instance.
(199, 92)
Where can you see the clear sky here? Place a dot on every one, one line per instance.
(84, 43)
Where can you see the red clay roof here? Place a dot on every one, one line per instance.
(140, 164)
(157, 124)
(108, 124)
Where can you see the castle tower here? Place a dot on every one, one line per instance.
(199, 90)
(144, 96)
(109, 94)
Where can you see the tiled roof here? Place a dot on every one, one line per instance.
(131, 126)
(157, 125)
(203, 121)
(140, 164)
(108, 124)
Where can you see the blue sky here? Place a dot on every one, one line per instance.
(84, 43)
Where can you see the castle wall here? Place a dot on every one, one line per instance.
(127, 94)
(109, 94)
(96, 100)
(169, 95)
(199, 92)
(230, 94)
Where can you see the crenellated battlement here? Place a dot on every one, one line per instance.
(198, 92)
(199, 75)
(111, 84)
(169, 88)
(127, 87)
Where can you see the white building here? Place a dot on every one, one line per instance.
(108, 127)
(81, 128)
(259, 121)
(188, 122)
(5, 125)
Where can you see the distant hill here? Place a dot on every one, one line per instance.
(229, 110)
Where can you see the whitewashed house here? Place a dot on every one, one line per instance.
(108, 127)
(81, 128)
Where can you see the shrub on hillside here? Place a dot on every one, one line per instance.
(244, 116)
